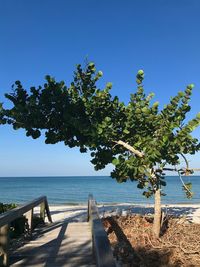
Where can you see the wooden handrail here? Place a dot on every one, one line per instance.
(101, 244)
(11, 215)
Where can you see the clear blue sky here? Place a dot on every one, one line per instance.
(50, 36)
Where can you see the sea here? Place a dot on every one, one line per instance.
(74, 190)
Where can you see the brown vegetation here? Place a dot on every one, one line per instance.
(134, 244)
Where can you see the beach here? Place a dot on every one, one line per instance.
(79, 213)
(67, 196)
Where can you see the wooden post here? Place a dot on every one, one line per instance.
(42, 211)
(4, 245)
(88, 211)
(29, 223)
(48, 211)
(90, 198)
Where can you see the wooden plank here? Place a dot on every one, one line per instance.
(101, 244)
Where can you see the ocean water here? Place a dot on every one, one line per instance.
(75, 190)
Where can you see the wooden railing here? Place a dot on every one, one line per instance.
(101, 244)
(9, 216)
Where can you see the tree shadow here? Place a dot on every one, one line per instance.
(176, 211)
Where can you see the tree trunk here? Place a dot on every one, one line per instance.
(157, 213)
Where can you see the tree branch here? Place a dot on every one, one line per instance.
(130, 148)
(187, 169)
(184, 185)
(186, 161)
(169, 169)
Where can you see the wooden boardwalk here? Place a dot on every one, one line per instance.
(59, 244)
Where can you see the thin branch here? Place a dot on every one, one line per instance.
(186, 161)
(170, 169)
(130, 148)
(114, 146)
(187, 169)
(184, 185)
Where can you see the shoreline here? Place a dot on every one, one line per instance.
(79, 212)
(143, 204)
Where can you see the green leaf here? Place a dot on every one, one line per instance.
(126, 131)
(190, 86)
(140, 72)
(108, 119)
(100, 131)
(100, 73)
(115, 161)
(109, 85)
(198, 115)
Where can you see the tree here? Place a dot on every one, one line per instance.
(140, 139)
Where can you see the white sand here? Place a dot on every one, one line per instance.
(79, 213)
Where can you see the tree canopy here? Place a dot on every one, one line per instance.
(139, 138)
